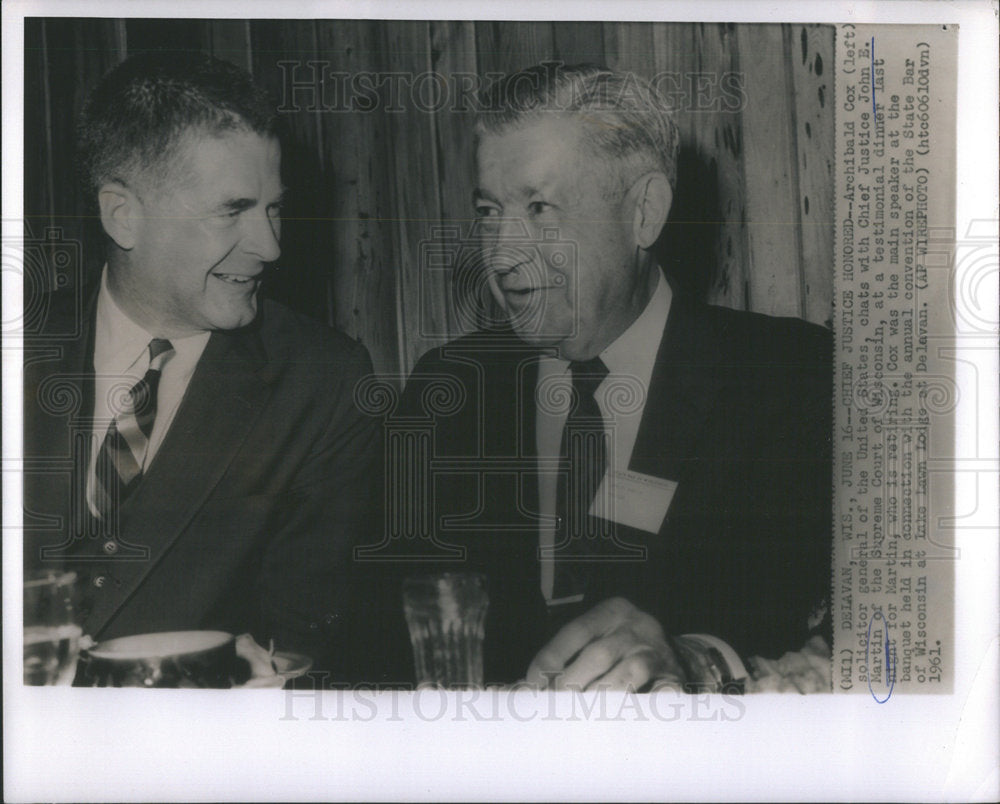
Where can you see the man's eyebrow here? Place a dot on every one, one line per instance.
(237, 204)
(527, 191)
(241, 204)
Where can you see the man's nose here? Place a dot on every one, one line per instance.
(262, 236)
(511, 229)
(504, 234)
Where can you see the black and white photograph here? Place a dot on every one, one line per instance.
(393, 386)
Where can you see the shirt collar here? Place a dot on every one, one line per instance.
(633, 353)
(119, 342)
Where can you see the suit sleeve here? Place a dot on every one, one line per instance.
(307, 573)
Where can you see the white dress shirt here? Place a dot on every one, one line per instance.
(629, 360)
(121, 358)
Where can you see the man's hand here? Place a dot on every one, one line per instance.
(612, 646)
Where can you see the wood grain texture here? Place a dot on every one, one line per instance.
(453, 57)
(295, 43)
(300, 279)
(356, 208)
(707, 246)
(578, 42)
(769, 172)
(503, 47)
(811, 49)
(422, 294)
(79, 52)
(722, 135)
(230, 40)
(178, 37)
(629, 46)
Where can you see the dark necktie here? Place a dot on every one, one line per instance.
(119, 462)
(583, 446)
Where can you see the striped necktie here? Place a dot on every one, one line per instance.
(119, 463)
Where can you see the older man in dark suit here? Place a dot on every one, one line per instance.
(645, 479)
(193, 452)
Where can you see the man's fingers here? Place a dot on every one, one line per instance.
(639, 667)
(596, 659)
(633, 671)
(574, 636)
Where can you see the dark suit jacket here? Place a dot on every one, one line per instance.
(738, 413)
(246, 516)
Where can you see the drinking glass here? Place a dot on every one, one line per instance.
(446, 614)
(51, 634)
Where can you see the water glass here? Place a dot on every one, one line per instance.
(51, 633)
(446, 615)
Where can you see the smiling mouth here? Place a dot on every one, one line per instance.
(236, 279)
(523, 296)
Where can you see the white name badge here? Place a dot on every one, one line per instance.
(634, 499)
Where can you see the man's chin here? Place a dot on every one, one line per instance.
(235, 318)
(569, 347)
(538, 337)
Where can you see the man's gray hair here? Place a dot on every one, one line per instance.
(625, 117)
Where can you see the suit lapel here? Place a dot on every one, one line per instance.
(686, 381)
(226, 395)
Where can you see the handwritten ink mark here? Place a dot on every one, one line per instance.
(889, 648)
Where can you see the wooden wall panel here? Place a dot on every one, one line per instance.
(79, 52)
(422, 294)
(295, 42)
(453, 56)
(180, 37)
(629, 46)
(709, 243)
(578, 42)
(770, 172)
(722, 135)
(230, 40)
(357, 209)
(502, 47)
(299, 279)
(811, 49)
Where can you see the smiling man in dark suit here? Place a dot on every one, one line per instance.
(193, 451)
(646, 479)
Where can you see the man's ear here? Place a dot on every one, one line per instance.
(652, 198)
(120, 214)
